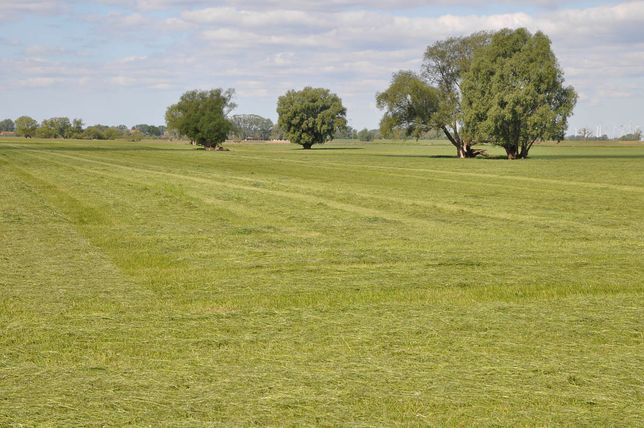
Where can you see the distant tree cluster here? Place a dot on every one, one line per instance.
(251, 127)
(585, 134)
(150, 130)
(632, 136)
(504, 88)
(345, 133)
(63, 127)
(368, 134)
(7, 125)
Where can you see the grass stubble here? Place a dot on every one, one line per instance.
(353, 284)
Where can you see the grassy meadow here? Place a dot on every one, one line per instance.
(374, 284)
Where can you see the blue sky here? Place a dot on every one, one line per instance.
(125, 61)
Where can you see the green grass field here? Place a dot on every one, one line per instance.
(353, 284)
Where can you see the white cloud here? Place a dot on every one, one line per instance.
(10, 7)
(352, 46)
(38, 82)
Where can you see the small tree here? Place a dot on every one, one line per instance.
(202, 116)
(585, 133)
(513, 95)
(135, 135)
(26, 126)
(310, 116)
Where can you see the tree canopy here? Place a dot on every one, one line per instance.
(202, 116)
(148, 130)
(514, 94)
(56, 127)
(310, 116)
(410, 105)
(444, 66)
(7, 125)
(26, 126)
(252, 127)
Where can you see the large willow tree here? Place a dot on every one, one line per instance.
(514, 93)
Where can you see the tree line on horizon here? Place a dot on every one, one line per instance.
(63, 127)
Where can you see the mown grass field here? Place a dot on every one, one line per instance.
(353, 284)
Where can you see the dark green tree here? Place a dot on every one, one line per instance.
(410, 105)
(444, 67)
(148, 130)
(7, 125)
(202, 116)
(26, 126)
(514, 93)
(365, 135)
(632, 136)
(310, 116)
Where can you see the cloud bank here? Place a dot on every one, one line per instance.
(153, 50)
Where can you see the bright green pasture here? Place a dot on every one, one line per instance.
(353, 284)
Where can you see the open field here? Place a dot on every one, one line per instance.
(352, 284)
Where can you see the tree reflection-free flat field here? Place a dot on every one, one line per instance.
(158, 284)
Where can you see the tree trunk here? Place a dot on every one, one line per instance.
(307, 146)
(511, 152)
(461, 152)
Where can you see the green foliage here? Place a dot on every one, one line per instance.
(77, 128)
(310, 116)
(136, 135)
(277, 133)
(149, 130)
(202, 116)
(26, 126)
(410, 105)
(633, 136)
(365, 135)
(345, 133)
(56, 127)
(514, 94)
(445, 64)
(578, 137)
(252, 127)
(7, 125)
(103, 132)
